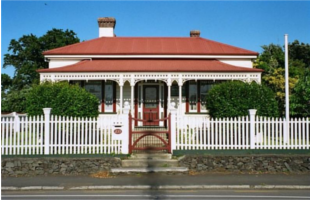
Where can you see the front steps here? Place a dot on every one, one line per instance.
(150, 163)
(151, 156)
(150, 160)
(171, 170)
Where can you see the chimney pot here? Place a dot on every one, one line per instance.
(106, 26)
(195, 33)
(107, 22)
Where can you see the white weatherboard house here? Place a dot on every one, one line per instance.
(152, 97)
(149, 72)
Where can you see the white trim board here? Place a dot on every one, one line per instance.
(149, 56)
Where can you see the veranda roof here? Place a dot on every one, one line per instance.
(150, 65)
(150, 46)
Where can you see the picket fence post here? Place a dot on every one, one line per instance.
(252, 113)
(16, 123)
(125, 120)
(47, 112)
(173, 112)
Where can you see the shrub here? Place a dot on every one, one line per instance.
(63, 98)
(14, 100)
(300, 98)
(235, 98)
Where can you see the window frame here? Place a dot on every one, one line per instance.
(209, 84)
(104, 97)
(175, 90)
(82, 84)
(190, 110)
(199, 100)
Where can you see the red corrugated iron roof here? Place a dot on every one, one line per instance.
(150, 65)
(149, 46)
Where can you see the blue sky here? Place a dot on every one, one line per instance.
(244, 24)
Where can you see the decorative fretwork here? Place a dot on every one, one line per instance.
(168, 78)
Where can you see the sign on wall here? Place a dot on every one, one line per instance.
(117, 131)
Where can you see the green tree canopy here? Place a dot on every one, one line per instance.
(26, 54)
(6, 82)
(300, 99)
(300, 51)
(272, 61)
(63, 98)
(235, 98)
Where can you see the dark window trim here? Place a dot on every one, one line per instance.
(114, 96)
(102, 95)
(187, 96)
(82, 85)
(198, 96)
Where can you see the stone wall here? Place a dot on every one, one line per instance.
(247, 164)
(56, 166)
(200, 163)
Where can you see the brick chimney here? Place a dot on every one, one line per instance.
(195, 33)
(106, 26)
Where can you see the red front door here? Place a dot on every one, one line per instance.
(151, 105)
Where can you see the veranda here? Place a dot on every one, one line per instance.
(151, 94)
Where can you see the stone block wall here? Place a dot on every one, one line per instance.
(247, 164)
(56, 166)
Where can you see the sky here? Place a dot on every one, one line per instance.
(245, 24)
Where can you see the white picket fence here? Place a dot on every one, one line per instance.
(195, 133)
(24, 135)
(48, 135)
(201, 133)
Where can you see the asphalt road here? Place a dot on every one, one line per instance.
(159, 179)
(158, 195)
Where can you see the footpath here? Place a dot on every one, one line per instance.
(159, 181)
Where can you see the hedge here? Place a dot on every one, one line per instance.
(235, 98)
(63, 98)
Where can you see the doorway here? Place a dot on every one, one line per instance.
(151, 105)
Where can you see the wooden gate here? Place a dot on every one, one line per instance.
(150, 138)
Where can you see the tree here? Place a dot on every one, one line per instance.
(300, 99)
(26, 54)
(271, 58)
(300, 51)
(6, 82)
(276, 82)
(271, 61)
(235, 98)
(63, 98)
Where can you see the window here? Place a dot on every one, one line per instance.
(140, 96)
(162, 91)
(205, 86)
(104, 91)
(192, 96)
(150, 97)
(95, 88)
(108, 96)
(197, 92)
(175, 90)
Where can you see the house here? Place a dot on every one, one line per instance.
(149, 72)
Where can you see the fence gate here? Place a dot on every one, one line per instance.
(150, 138)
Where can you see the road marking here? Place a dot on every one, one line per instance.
(171, 196)
(161, 187)
(257, 191)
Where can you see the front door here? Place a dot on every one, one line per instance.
(151, 105)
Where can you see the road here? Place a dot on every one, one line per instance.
(158, 194)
